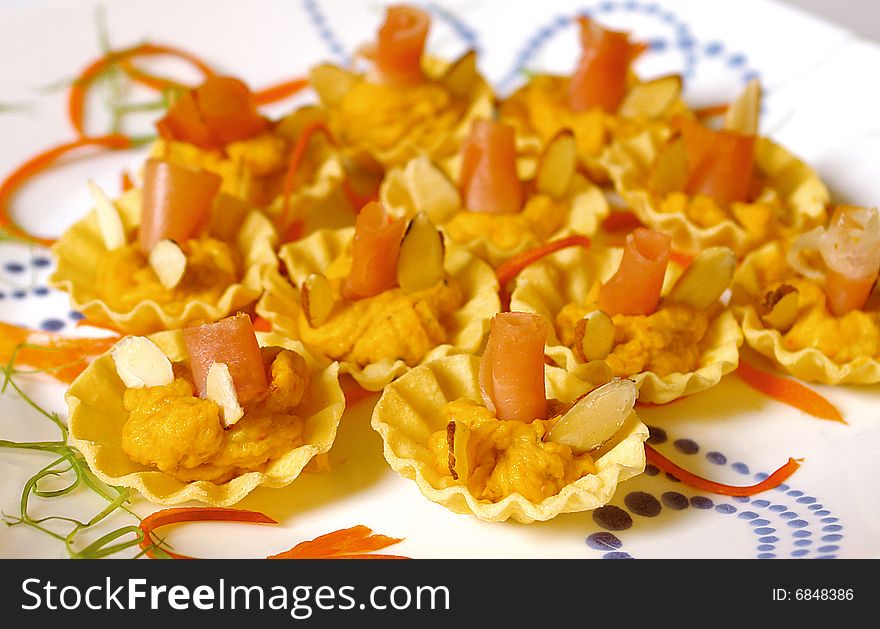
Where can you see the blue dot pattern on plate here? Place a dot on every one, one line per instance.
(795, 525)
(24, 275)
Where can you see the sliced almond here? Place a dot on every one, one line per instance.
(594, 336)
(669, 170)
(420, 261)
(109, 219)
(221, 389)
(744, 113)
(596, 372)
(780, 307)
(140, 363)
(430, 190)
(705, 279)
(317, 299)
(558, 165)
(596, 417)
(168, 261)
(460, 77)
(330, 82)
(457, 438)
(651, 99)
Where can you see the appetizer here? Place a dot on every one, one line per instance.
(203, 413)
(626, 312)
(218, 128)
(504, 436)
(381, 297)
(808, 303)
(407, 103)
(486, 208)
(601, 100)
(164, 255)
(708, 187)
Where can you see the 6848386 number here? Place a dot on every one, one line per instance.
(824, 594)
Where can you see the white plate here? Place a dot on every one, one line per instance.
(821, 103)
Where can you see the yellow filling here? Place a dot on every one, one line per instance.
(124, 278)
(392, 325)
(382, 116)
(542, 107)
(539, 219)
(506, 457)
(668, 341)
(842, 339)
(169, 428)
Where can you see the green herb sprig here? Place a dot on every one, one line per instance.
(70, 466)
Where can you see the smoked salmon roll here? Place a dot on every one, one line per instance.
(408, 103)
(601, 100)
(512, 367)
(382, 297)
(631, 312)
(487, 206)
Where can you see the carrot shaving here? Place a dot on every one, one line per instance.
(62, 357)
(353, 392)
(38, 164)
(296, 157)
(681, 259)
(790, 392)
(261, 324)
(126, 182)
(158, 83)
(512, 267)
(711, 111)
(280, 91)
(621, 220)
(351, 543)
(179, 515)
(693, 480)
(77, 95)
(356, 199)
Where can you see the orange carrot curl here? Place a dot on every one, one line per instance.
(513, 266)
(61, 357)
(353, 392)
(285, 224)
(698, 482)
(711, 111)
(193, 514)
(153, 81)
(351, 543)
(77, 95)
(37, 164)
(789, 391)
(356, 542)
(280, 91)
(621, 220)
